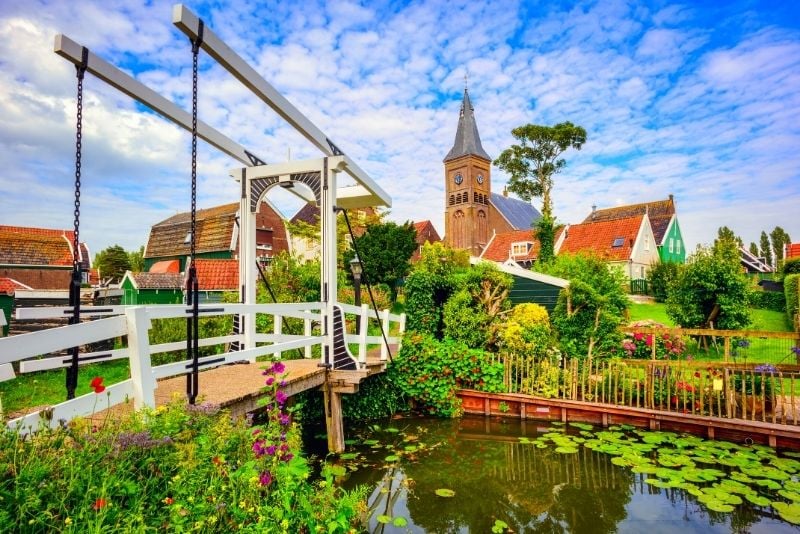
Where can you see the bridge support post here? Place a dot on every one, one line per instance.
(144, 385)
(334, 423)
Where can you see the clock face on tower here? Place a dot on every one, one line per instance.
(458, 178)
(480, 178)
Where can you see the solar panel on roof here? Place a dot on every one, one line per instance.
(618, 242)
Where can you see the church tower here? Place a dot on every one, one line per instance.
(467, 173)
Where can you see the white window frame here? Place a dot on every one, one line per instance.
(678, 246)
(520, 248)
(671, 245)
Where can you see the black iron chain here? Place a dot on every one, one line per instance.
(75, 282)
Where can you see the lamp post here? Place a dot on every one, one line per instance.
(355, 268)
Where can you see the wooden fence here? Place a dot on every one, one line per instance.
(729, 346)
(764, 393)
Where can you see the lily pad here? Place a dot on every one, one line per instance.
(444, 492)
(348, 456)
(566, 450)
(384, 519)
(581, 426)
(756, 499)
(792, 496)
(718, 506)
(400, 522)
(392, 458)
(788, 512)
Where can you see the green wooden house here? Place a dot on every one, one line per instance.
(530, 286)
(152, 288)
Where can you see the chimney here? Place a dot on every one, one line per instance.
(671, 199)
(594, 209)
(505, 191)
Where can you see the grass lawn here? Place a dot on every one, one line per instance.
(764, 320)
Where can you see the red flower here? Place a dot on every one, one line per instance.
(168, 500)
(697, 374)
(99, 503)
(649, 340)
(97, 384)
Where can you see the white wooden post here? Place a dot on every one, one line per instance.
(277, 329)
(386, 324)
(363, 327)
(307, 333)
(328, 264)
(401, 331)
(247, 251)
(144, 385)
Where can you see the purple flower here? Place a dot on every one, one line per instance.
(278, 368)
(271, 450)
(258, 448)
(287, 457)
(285, 419)
(270, 380)
(765, 368)
(796, 350)
(283, 383)
(281, 397)
(283, 436)
(744, 343)
(265, 479)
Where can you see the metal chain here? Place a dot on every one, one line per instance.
(78, 147)
(195, 50)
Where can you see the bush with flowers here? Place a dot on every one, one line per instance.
(639, 345)
(175, 469)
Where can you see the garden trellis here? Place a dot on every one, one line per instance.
(314, 180)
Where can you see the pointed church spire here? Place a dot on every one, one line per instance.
(468, 142)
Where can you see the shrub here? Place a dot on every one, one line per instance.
(768, 300)
(426, 293)
(589, 311)
(526, 331)
(465, 322)
(662, 278)
(791, 288)
(381, 293)
(429, 372)
(791, 266)
(175, 469)
(711, 287)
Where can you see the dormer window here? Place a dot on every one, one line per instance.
(520, 248)
(188, 238)
(618, 242)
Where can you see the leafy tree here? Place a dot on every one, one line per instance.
(711, 290)
(779, 239)
(662, 278)
(727, 244)
(590, 310)
(766, 248)
(112, 263)
(136, 259)
(385, 250)
(532, 164)
(753, 248)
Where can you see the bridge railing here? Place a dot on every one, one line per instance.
(134, 322)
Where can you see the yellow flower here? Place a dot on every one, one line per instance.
(68, 521)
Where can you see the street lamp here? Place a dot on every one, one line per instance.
(355, 268)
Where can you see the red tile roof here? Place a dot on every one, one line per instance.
(499, 247)
(793, 250)
(166, 266)
(217, 275)
(660, 213)
(599, 238)
(426, 232)
(9, 285)
(38, 246)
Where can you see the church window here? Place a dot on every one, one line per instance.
(459, 230)
(452, 200)
(483, 227)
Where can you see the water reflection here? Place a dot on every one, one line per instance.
(510, 486)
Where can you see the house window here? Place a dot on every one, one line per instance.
(188, 238)
(647, 243)
(671, 245)
(520, 248)
(618, 242)
(678, 246)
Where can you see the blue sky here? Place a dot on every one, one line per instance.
(701, 100)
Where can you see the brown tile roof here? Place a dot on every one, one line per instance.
(157, 280)
(37, 246)
(499, 247)
(659, 211)
(308, 214)
(214, 232)
(217, 275)
(9, 285)
(599, 237)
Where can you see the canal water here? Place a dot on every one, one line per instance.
(484, 475)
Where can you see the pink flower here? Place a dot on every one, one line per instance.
(281, 397)
(270, 380)
(278, 368)
(638, 336)
(649, 340)
(265, 479)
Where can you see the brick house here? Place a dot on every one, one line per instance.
(40, 258)
(426, 233)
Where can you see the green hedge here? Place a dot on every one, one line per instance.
(768, 300)
(791, 287)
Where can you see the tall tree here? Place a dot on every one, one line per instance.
(385, 250)
(779, 239)
(136, 259)
(766, 248)
(532, 164)
(727, 244)
(754, 249)
(112, 263)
